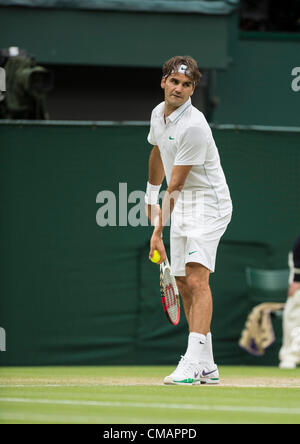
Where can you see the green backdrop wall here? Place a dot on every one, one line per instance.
(117, 38)
(252, 80)
(257, 87)
(183, 6)
(73, 292)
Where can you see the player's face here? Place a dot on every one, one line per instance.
(178, 89)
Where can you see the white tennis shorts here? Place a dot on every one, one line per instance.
(191, 241)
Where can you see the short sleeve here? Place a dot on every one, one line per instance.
(193, 147)
(151, 138)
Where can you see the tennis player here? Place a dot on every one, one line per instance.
(289, 355)
(199, 204)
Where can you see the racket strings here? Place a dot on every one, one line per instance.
(170, 295)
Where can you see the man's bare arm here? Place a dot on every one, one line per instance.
(156, 169)
(156, 174)
(178, 178)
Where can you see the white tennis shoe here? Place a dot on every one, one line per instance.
(193, 373)
(288, 364)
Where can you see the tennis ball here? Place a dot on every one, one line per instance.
(156, 257)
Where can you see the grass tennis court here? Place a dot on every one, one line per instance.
(136, 395)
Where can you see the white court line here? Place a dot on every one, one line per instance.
(49, 385)
(223, 408)
(159, 384)
(46, 417)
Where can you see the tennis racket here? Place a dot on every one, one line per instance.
(169, 293)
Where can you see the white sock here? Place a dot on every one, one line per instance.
(207, 354)
(196, 344)
(200, 348)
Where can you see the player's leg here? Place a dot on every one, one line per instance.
(185, 296)
(198, 312)
(197, 365)
(185, 371)
(199, 297)
(289, 354)
(197, 282)
(196, 296)
(200, 340)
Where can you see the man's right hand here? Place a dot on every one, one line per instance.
(156, 243)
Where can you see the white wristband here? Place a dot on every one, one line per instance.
(152, 192)
(294, 272)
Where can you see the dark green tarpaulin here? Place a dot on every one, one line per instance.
(118, 38)
(75, 292)
(188, 6)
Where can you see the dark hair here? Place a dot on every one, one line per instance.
(172, 65)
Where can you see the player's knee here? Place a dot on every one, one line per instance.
(181, 282)
(196, 284)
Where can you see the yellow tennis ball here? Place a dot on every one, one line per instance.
(156, 257)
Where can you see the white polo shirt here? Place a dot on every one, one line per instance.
(186, 139)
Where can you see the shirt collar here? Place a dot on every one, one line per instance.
(179, 111)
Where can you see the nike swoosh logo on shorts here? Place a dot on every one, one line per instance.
(192, 252)
(204, 373)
